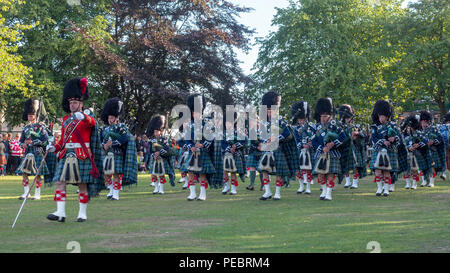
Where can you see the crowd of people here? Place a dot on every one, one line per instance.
(311, 147)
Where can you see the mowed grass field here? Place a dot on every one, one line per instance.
(406, 221)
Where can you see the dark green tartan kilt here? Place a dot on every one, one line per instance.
(281, 165)
(118, 163)
(422, 161)
(84, 166)
(346, 161)
(167, 166)
(239, 164)
(335, 165)
(207, 166)
(292, 157)
(392, 157)
(253, 159)
(217, 160)
(437, 160)
(38, 157)
(360, 162)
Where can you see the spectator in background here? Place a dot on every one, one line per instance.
(8, 159)
(138, 144)
(7, 152)
(16, 152)
(2, 158)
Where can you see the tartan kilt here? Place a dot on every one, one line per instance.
(291, 154)
(346, 161)
(359, 157)
(335, 165)
(281, 164)
(239, 163)
(118, 163)
(38, 157)
(392, 157)
(167, 166)
(217, 160)
(253, 159)
(207, 165)
(422, 161)
(436, 160)
(402, 155)
(52, 161)
(84, 166)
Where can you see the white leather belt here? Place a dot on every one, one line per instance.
(75, 145)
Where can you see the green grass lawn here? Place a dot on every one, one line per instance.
(406, 221)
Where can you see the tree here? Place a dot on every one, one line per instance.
(167, 49)
(15, 77)
(324, 47)
(54, 52)
(422, 36)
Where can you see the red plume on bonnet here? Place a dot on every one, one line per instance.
(83, 85)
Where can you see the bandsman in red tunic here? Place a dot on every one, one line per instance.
(79, 151)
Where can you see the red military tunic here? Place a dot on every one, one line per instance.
(70, 139)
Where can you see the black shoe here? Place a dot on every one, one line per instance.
(114, 199)
(191, 199)
(250, 188)
(183, 188)
(322, 198)
(109, 197)
(276, 199)
(80, 220)
(265, 198)
(224, 192)
(53, 217)
(378, 194)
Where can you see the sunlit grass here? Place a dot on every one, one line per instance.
(406, 221)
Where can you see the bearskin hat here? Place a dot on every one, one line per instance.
(112, 107)
(411, 121)
(425, 115)
(192, 98)
(31, 108)
(346, 111)
(300, 109)
(446, 118)
(323, 105)
(271, 98)
(382, 107)
(75, 89)
(156, 123)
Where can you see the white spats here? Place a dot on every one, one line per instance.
(193, 194)
(82, 212)
(328, 194)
